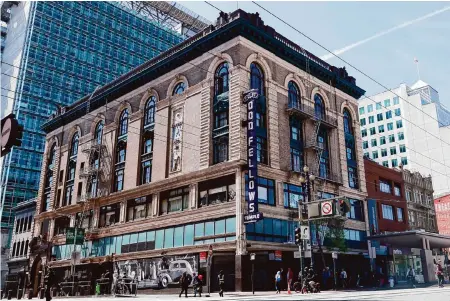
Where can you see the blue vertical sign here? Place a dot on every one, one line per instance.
(252, 216)
(372, 212)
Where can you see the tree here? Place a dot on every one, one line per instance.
(330, 232)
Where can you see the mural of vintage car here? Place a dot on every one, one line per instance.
(173, 274)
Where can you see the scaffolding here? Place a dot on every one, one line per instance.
(171, 15)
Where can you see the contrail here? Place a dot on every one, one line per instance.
(382, 33)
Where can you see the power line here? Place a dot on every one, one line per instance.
(326, 49)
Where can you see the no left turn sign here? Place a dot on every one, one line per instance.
(326, 208)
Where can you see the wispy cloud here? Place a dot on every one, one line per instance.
(384, 32)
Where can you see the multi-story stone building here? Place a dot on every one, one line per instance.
(442, 207)
(419, 196)
(153, 166)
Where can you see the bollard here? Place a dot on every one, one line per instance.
(9, 294)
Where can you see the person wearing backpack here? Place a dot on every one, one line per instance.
(439, 273)
(411, 275)
(278, 281)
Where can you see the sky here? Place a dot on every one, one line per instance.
(388, 58)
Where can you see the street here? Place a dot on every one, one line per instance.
(429, 294)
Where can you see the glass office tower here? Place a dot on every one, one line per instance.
(54, 53)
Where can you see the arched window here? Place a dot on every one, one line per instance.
(347, 122)
(149, 113)
(257, 78)
(221, 79)
(123, 123)
(99, 132)
(74, 145)
(319, 108)
(179, 88)
(294, 95)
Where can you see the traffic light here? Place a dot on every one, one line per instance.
(343, 207)
(11, 133)
(298, 236)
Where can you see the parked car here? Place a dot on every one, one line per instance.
(174, 272)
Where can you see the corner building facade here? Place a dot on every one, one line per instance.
(157, 159)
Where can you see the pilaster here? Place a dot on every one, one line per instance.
(205, 125)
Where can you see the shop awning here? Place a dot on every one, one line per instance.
(412, 239)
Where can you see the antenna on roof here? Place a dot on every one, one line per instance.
(417, 66)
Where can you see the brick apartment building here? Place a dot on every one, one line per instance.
(153, 165)
(386, 200)
(442, 207)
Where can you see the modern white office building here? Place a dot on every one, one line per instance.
(408, 126)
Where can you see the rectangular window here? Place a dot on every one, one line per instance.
(361, 111)
(397, 112)
(216, 191)
(352, 178)
(388, 114)
(402, 148)
(394, 163)
(393, 150)
(365, 144)
(387, 211)
(109, 215)
(261, 150)
(401, 136)
(385, 186)
(356, 210)
(396, 100)
(404, 161)
(392, 138)
(372, 131)
(364, 133)
(174, 200)
(292, 195)
(296, 160)
(373, 142)
(375, 154)
(379, 116)
(379, 105)
(266, 190)
(390, 126)
(397, 190)
(220, 149)
(383, 152)
(400, 214)
(399, 124)
(382, 140)
(139, 208)
(146, 171)
(387, 103)
(381, 129)
(366, 155)
(386, 163)
(371, 119)
(363, 121)
(118, 185)
(369, 108)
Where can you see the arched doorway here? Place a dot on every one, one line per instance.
(36, 274)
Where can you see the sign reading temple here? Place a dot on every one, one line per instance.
(252, 215)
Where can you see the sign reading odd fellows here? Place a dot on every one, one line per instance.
(252, 216)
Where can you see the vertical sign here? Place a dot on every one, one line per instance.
(372, 212)
(252, 215)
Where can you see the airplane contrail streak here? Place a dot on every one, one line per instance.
(382, 33)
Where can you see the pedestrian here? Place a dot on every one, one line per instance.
(278, 281)
(325, 277)
(290, 279)
(197, 284)
(221, 279)
(48, 280)
(344, 279)
(439, 273)
(411, 276)
(200, 285)
(184, 283)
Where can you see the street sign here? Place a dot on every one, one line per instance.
(308, 245)
(305, 232)
(297, 254)
(307, 254)
(278, 255)
(70, 236)
(326, 208)
(203, 256)
(334, 255)
(252, 256)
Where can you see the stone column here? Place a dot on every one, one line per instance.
(193, 191)
(95, 218)
(51, 228)
(241, 241)
(155, 204)
(123, 211)
(72, 221)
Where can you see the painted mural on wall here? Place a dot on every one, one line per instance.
(177, 136)
(158, 272)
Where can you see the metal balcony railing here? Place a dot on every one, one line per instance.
(314, 144)
(328, 175)
(306, 111)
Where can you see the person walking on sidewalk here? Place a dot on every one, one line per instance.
(221, 279)
(411, 276)
(184, 283)
(278, 281)
(439, 273)
(197, 285)
(344, 279)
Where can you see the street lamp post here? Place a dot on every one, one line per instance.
(307, 181)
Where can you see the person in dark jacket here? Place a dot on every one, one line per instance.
(184, 283)
(49, 281)
(197, 284)
(221, 278)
